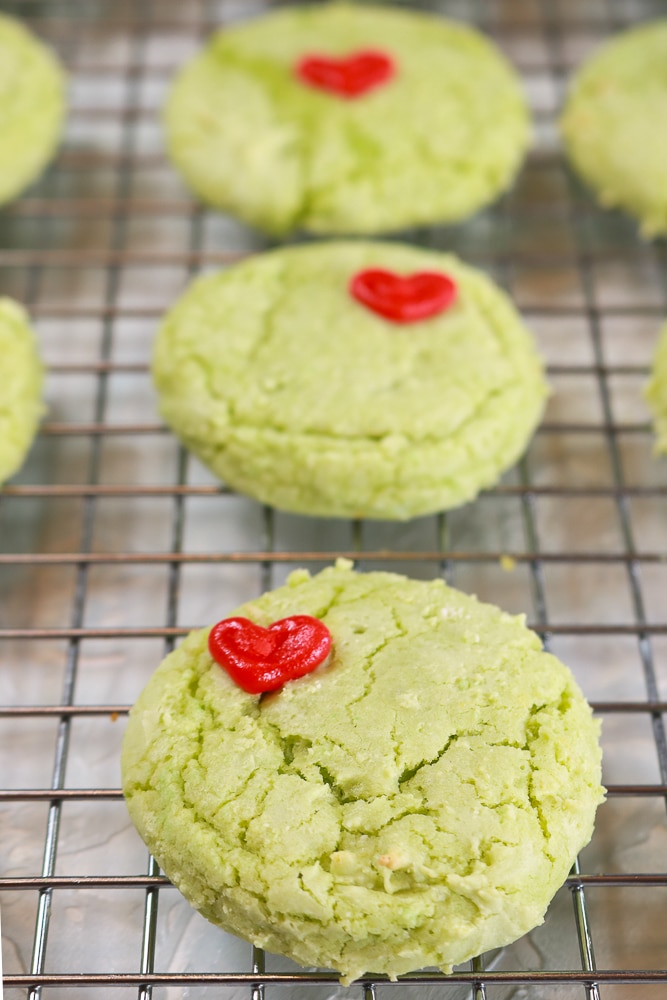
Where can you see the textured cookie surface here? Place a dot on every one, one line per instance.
(32, 106)
(656, 392)
(20, 387)
(295, 393)
(414, 802)
(437, 142)
(615, 124)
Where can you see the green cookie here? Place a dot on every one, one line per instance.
(435, 143)
(615, 124)
(415, 801)
(32, 107)
(296, 394)
(656, 392)
(21, 380)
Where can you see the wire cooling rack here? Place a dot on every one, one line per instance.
(114, 542)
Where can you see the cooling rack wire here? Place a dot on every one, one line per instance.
(114, 542)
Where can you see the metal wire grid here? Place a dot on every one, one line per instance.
(110, 513)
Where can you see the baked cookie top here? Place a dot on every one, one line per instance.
(656, 391)
(297, 393)
(441, 134)
(414, 801)
(21, 379)
(615, 124)
(32, 107)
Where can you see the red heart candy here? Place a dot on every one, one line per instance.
(346, 76)
(403, 299)
(263, 659)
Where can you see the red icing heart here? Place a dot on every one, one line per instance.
(263, 659)
(347, 76)
(403, 299)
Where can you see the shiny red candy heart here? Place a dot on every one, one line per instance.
(404, 299)
(347, 76)
(263, 659)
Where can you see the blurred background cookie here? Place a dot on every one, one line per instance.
(656, 391)
(21, 380)
(615, 124)
(32, 107)
(341, 118)
(350, 379)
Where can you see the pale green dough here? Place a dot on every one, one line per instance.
(32, 107)
(656, 392)
(438, 142)
(615, 124)
(21, 380)
(414, 802)
(294, 393)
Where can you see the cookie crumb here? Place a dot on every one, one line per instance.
(393, 861)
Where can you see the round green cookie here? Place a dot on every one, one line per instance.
(296, 394)
(435, 143)
(415, 801)
(32, 107)
(20, 387)
(615, 124)
(656, 392)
